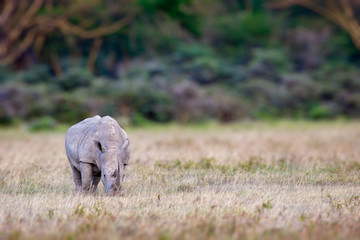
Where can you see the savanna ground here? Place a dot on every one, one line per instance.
(252, 180)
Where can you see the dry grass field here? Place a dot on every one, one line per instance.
(244, 181)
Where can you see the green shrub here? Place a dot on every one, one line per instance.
(263, 92)
(207, 70)
(74, 78)
(242, 28)
(175, 10)
(226, 105)
(157, 106)
(141, 97)
(269, 62)
(45, 123)
(190, 51)
(5, 75)
(70, 108)
(149, 38)
(320, 111)
(34, 75)
(17, 100)
(139, 120)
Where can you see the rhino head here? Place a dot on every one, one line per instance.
(113, 160)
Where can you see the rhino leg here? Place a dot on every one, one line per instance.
(95, 182)
(86, 176)
(77, 178)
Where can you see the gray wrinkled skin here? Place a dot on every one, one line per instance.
(97, 148)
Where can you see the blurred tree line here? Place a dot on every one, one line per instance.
(179, 60)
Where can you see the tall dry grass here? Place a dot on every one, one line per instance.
(242, 181)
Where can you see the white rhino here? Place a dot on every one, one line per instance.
(97, 148)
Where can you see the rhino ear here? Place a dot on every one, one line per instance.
(98, 146)
(125, 149)
(125, 145)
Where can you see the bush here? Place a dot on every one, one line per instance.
(301, 90)
(244, 28)
(34, 75)
(157, 106)
(226, 106)
(146, 39)
(5, 75)
(70, 108)
(206, 70)
(139, 120)
(263, 92)
(269, 63)
(16, 100)
(321, 111)
(42, 124)
(191, 101)
(74, 78)
(190, 51)
(308, 47)
(175, 10)
(131, 96)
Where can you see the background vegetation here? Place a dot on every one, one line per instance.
(182, 60)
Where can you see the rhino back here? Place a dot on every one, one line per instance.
(111, 134)
(79, 141)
